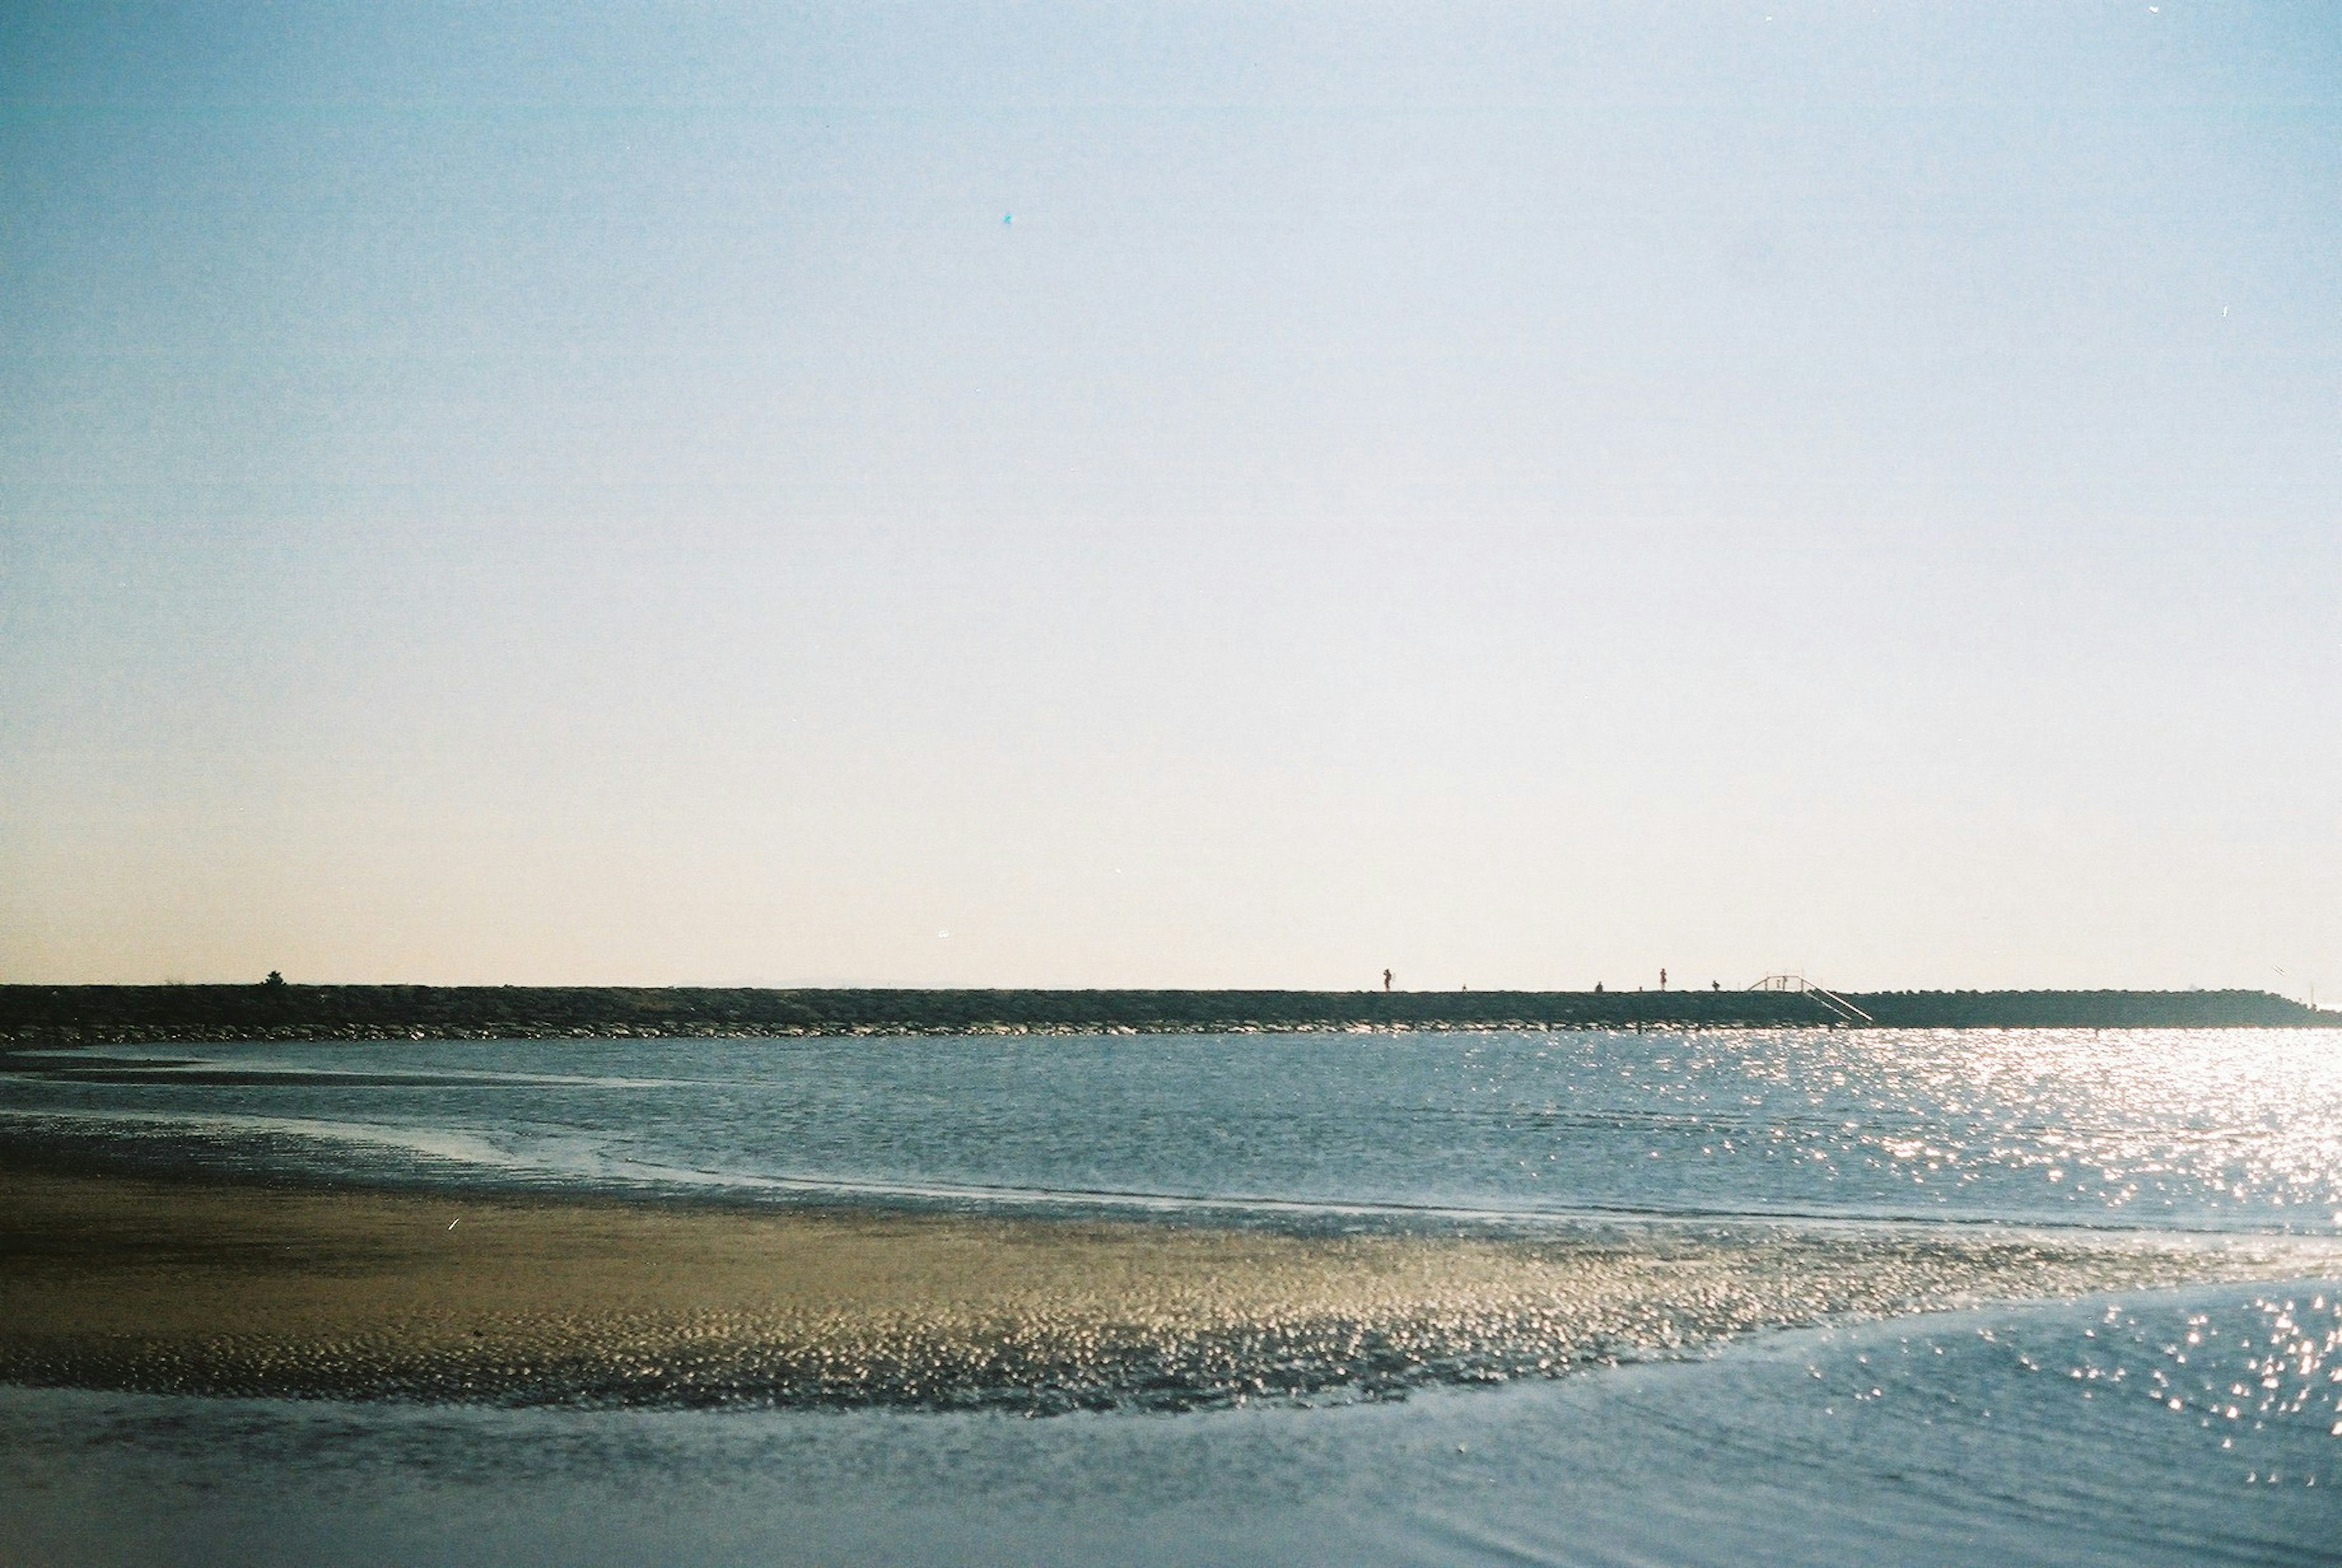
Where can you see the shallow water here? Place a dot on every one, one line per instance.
(2042, 1434)
(2161, 1129)
(2197, 1422)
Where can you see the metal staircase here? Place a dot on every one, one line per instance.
(1846, 1011)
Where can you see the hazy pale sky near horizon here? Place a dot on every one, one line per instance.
(1202, 495)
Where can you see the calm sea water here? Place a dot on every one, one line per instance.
(2198, 1423)
(2193, 1130)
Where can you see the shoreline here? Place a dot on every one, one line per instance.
(200, 1284)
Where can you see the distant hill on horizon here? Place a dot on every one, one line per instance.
(49, 1014)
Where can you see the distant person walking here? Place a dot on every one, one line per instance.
(1663, 980)
(1387, 980)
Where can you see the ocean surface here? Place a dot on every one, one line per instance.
(2196, 1422)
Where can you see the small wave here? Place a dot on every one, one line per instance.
(440, 1156)
(187, 1138)
(182, 1072)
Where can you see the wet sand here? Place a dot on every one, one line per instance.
(212, 1287)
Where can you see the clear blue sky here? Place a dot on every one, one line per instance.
(1201, 496)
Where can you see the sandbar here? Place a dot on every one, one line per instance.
(214, 1286)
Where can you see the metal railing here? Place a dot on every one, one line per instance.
(1830, 1000)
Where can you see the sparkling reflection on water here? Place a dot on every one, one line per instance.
(2097, 1431)
(2224, 1129)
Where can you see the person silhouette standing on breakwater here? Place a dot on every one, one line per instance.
(1387, 980)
